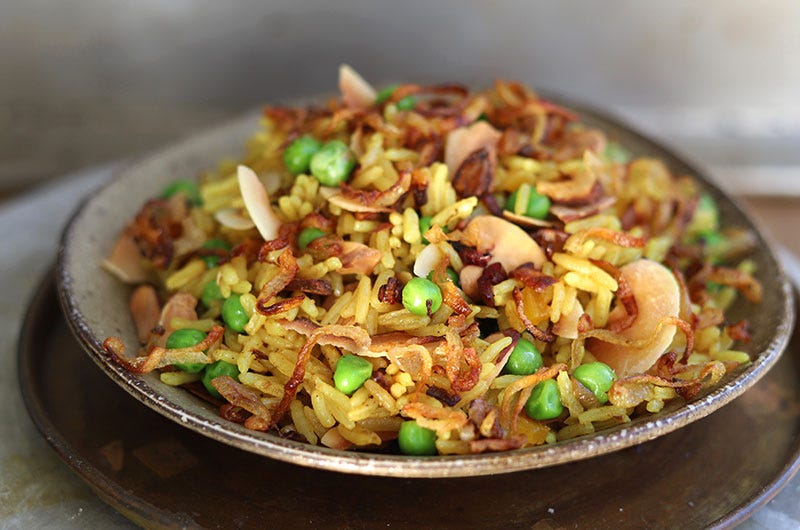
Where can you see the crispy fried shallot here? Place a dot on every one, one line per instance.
(239, 395)
(352, 338)
(159, 357)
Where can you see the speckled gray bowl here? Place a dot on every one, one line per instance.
(95, 304)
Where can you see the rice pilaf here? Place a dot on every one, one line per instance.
(431, 270)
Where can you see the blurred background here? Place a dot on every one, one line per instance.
(90, 81)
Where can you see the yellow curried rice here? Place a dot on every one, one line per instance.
(476, 266)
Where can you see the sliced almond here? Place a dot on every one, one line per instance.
(427, 260)
(356, 92)
(125, 261)
(233, 219)
(145, 311)
(256, 200)
(358, 258)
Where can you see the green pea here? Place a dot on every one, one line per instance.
(597, 377)
(215, 370)
(307, 235)
(710, 238)
(188, 188)
(333, 163)
(451, 273)
(483, 117)
(424, 226)
(234, 315)
(351, 372)
(211, 294)
(537, 207)
(524, 359)
(615, 152)
(416, 440)
(407, 103)
(214, 244)
(297, 157)
(545, 401)
(185, 338)
(385, 94)
(422, 297)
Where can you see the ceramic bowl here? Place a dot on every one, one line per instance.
(95, 304)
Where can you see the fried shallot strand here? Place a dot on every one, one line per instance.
(240, 396)
(159, 357)
(352, 338)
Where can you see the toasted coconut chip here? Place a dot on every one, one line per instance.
(256, 200)
(528, 275)
(351, 338)
(464, 141)
(507, 243)
(145, 310)
(538, 334)
(159, 357)
(742, 281)
(567, 214)
(240, 396)
(439, 419)
(356, 92)
(485, 445)
(577, 142)
(527, 222)
(358, 258)
(279, 282)
(509, 411)
(125, 261)
(233, 219)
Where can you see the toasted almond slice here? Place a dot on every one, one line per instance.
(427, 260)
(524, 220)
(145, 311)
(256, 200)
(233, 219)
(464, 141)
(356, 92)
(354, 205)
(125, 261)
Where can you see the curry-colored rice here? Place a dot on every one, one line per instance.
(436, 380)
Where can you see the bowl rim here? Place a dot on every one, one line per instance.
(442, 466)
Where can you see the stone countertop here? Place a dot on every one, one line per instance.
(37, 490)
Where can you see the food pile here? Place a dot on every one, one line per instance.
(429, 270)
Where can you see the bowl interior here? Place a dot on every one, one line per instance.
(95, 304)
